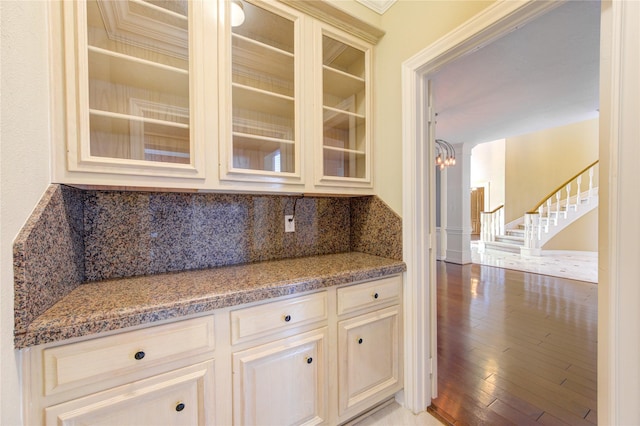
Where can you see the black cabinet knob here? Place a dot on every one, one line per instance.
(375, 295)
(139, 355)
(180, 406)
(309, 360)
(360, 341)
(287, 318)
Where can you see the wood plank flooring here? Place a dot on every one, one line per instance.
(515, 348)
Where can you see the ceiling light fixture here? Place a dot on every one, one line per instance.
(237, 13)
(445, 154)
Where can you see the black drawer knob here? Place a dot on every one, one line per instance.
(139, 355)
(360, 341)
(180, 407)
(287, 318)
(309, 360)
(376, 295)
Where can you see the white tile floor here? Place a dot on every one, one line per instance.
(577, 265)
(395, 415)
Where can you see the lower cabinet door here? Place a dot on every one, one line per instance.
(368, 359)
(283, 382)
(180, 397)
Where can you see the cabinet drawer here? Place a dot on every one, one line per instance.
(279, 316)
(76, 364)
(174, 398)
(369, 294)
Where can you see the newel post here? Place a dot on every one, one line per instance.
(531, 235)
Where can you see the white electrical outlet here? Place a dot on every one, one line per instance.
(289, 223)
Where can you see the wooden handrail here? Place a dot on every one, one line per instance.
(494, 210)
(560, 187)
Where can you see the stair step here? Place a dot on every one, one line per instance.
(516, 232)
(512, 239)
(498, 246)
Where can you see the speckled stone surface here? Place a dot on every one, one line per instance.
(48, 254)
(111, 305)
(77, 236)
(375, 228)
(135, 233)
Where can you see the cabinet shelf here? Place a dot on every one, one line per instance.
(343, 150)
(247, 142)
(257, 138)
(263, 154)
(342, 120)
(240, 41)
(267, 27)
(344, 163)
(138, 138)
(261, 66)
(262, 101)
(135, 118)
(341, 84)
(128, 70)
(340, 56)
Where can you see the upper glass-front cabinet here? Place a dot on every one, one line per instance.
(177, 94)
(261, 139)
(133, 87)
(346, 146)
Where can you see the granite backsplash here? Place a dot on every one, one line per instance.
(76, 236)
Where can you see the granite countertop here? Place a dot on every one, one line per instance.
(119, 303)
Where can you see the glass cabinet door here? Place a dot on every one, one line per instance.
(345, 110)
(263, 142)
(138, 81)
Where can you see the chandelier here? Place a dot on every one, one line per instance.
(445, 154)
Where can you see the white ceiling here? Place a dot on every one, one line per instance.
(542, 75)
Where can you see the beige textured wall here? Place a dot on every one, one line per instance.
(536, 163)
(411, 26)
(582, 235)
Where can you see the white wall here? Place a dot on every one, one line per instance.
(487, 168)
(24, 161)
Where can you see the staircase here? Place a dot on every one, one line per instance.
(528, 234)
(511, 241)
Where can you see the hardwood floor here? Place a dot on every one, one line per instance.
(515, 348)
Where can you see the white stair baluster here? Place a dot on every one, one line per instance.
(528, 231)
(568, 204)
(558, 197)
(578, 195)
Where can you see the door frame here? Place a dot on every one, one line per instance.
(418, 181)
(619, 228)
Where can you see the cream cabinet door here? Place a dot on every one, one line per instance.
(344, 91)
(261, 104)
(283, 382)
(181, 397)
(369, 358)
(133, 88)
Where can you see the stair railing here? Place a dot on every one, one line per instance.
(557, 204)
(492, 224)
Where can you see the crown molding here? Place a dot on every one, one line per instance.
(379, 6)
(332, 15)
